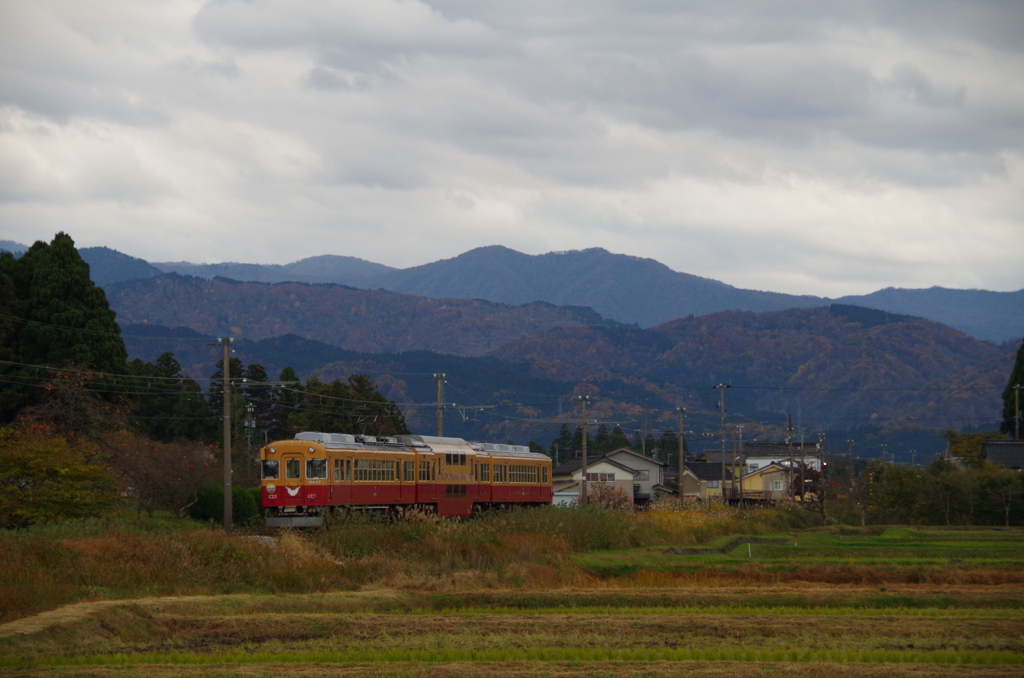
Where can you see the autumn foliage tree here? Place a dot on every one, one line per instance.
(45, 478)
(157, 475)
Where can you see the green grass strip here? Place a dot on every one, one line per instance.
(823, 611)
(449, 655)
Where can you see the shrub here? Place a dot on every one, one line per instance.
(209, 504)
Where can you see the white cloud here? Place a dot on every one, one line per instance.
(809, 147)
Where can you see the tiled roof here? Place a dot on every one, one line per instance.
(709, 471)
(1004, 452)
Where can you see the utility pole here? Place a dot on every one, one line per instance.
(721, 407)
(439, 378)
(682, 453)
(583, 429)
(789, 444)
(912, 464)
(849, 445)
(884, 446)
(226, 344)
(1016, 410)
(743, 460)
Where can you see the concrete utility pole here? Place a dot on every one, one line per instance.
(739, 438)
(721, 407)
(849, 444)
(583, 429)
(789, 443)
(1016, 411)
(439, 378)
(682, 452)
(226, 344)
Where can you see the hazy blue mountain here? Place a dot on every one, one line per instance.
(992, 316)
(325, 268)
(619, 287)
(15, 248)
(108, 266)
(625, 288)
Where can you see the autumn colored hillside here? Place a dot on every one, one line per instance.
(840, 365)
(374, 321)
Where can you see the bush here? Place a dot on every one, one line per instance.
(210, 504)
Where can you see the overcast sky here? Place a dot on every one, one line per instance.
(805, 147)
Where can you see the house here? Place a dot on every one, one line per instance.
(637, 475)
(735, 462)
(565, 492)
(1008, 453)
(767, 483)
(703, 481)
(599, 470)
(649, 473)
(759, 454)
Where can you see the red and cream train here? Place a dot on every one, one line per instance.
(308, 476)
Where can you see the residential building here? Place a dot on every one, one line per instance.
(1008, 453)
(703, 481)
(637, 475)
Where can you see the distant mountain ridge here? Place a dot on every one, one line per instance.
(325, 268)
(620, 287)
(372, 321)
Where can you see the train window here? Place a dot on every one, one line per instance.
(485, 473)
(348, 469)
(408, 471)
(544, 474)
(292, 468)
(462, 458)
(316, 469)
(339, 469)
(375, 470)
(271, 469)
(447, 458)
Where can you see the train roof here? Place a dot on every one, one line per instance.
(436, 443)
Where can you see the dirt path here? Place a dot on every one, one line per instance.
(78, 611)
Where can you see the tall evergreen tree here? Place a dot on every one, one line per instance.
(51, 314)
(356, 407)
(619, 438)
(561, 447)
(68, 320)
(1010, 395)
(169, 406)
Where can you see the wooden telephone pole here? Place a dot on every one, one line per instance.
(226, 345)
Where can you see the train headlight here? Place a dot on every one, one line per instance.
(273, 450)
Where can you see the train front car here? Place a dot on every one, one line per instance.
(304, 478)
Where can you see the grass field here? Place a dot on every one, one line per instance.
(836, 603)
(895, 554)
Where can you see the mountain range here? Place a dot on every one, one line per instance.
(622, 288)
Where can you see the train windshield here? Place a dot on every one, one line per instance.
(316, 469)
(271, 469)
